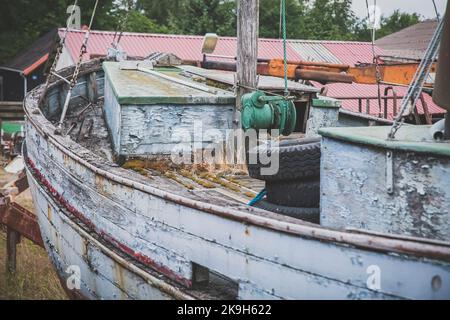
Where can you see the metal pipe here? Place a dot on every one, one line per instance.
(58, 76)
(394, 97)
(11, 69)
(323, 76)
(25, 85)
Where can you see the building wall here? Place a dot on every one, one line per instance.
(65, 60)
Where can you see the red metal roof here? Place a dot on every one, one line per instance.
(185, 47)
(189, 48)
(352, 53)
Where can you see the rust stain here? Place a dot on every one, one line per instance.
(100, 184)
(65, 159)
(49, 212)
(120, 279)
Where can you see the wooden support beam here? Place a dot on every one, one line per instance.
(23, 221)
(12, 240)
(247, 46)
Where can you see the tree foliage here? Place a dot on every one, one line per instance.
(22, 21)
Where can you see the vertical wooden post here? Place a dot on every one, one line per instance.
(12, 239)
(247, 48)
(246, 64)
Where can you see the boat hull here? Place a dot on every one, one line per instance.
(130, 239)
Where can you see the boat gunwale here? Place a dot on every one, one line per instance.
(417, 247)
(168, 288)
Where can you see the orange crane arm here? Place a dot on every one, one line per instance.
(401, 73)
(392, 74)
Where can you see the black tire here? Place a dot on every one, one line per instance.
(294, 193)
(306, 214)
(297, 159)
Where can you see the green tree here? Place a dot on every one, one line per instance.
(159, 11)
(329, 20)
(138, 22)
(269, 19)
(22, 21)
(202, 16)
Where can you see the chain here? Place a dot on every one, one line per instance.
(59, 50)
(83, 49)
(77, 70)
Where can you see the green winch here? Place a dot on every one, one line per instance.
(260, 111)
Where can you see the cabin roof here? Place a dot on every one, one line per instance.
(408, 138)
(139, 87)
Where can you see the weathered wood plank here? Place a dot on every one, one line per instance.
(159, 222)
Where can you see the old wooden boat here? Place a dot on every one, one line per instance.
(149, 232)
(130, 207)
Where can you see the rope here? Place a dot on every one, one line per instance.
(436, 10)
(121, 26)
(286, 91)
(258, 198)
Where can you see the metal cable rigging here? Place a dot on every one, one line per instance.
(415, 89)
(59, 50)
(77, 70)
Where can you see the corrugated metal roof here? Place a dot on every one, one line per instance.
(353, 53)
(189, 48)
(313, 51)
(185, 47)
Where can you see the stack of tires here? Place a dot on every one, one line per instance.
(295, 189)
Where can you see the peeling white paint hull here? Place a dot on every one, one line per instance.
(131, 240)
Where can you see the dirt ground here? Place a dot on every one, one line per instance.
(35, 277)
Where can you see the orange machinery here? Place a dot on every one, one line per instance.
(387, 73)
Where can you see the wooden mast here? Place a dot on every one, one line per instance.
(247, 49)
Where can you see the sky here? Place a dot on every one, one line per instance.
(423, 7)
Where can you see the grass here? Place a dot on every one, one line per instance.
(35, 277)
